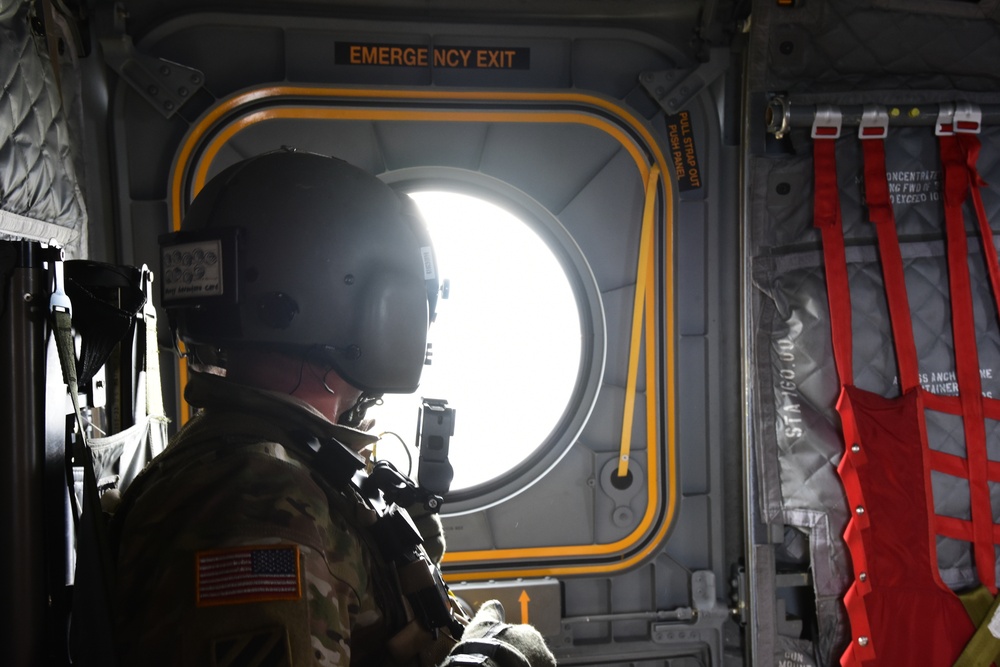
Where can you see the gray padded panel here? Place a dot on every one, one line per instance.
(839, 53)
(860, 45)
(796, 382)
(37, 183)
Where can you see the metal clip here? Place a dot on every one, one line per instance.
(146, 281)
(827, 122)
(945, 124)
(968, 118)
(874, 123)
(58, 301)
(778, 116)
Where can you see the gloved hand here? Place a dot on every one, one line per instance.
(488, 628)
(429, 525)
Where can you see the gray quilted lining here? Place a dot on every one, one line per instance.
(851, 45)
(796, 379)
(39, 195)
(855, 52)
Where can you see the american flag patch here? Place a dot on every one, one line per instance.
(255, 573)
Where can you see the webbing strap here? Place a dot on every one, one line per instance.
(826, 218)
(154, 392)
(643, 290)
(977, 602)
(52, 40)
(885, 468)
(956, 190)
(970, 145)
(148, 436)
(95, 645)
(984, 647)
(881, 215)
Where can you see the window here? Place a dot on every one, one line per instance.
(506, 343)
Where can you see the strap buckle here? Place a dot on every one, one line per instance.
(968, 118)
(874, 123)
(487, 647)
(58, 301)
(827, 122)
(945, 124)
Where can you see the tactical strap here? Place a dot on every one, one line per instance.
(486, 651)
(984, 647)
(93, 645)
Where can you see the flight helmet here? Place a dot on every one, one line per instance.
(307, 253)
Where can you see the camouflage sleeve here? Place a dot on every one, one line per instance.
(238, 553)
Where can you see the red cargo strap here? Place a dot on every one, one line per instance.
(826, 218)
(970, 391)
(881, 215)
(897, 594)
(970, 146)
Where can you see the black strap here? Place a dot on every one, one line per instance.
(482, 649)
(106, 299)
(91, 632)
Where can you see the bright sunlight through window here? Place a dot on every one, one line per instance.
(506, 343)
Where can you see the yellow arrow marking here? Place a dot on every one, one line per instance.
(524, 599)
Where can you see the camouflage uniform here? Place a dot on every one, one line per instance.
(225, 490)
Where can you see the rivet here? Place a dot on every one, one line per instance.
(863, 641)
(859, 509)
(855, 448)
(863, 576)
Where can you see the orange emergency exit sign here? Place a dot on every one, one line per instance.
(422, 55)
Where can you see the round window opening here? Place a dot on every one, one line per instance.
(506, 344)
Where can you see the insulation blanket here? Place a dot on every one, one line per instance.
(39, 195)
(796, 384)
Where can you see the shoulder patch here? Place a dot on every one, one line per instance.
(253, 573)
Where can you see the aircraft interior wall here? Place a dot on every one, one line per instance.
(689, 506)
(891, 75)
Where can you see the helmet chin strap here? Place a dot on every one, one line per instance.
(356, 415)
(323, 381)
(353, 417)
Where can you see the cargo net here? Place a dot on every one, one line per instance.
(900, 609)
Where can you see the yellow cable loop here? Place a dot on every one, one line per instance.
(643, 283)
